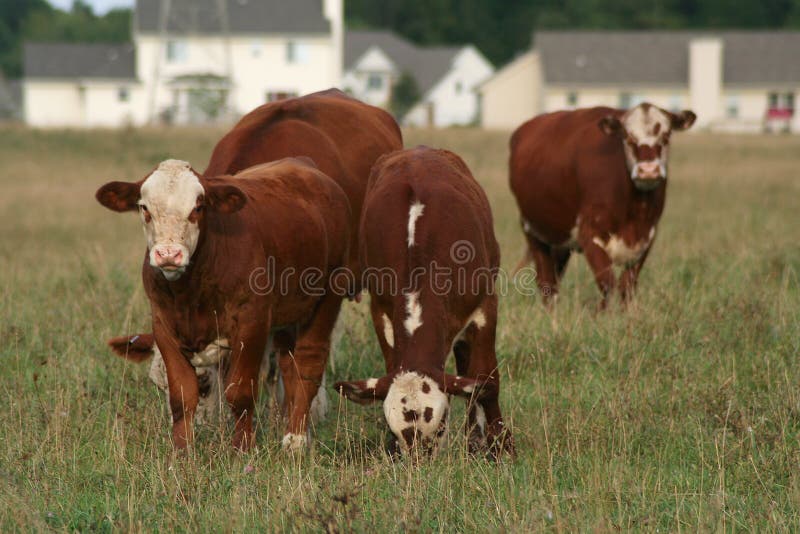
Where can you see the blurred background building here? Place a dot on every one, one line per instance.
(736, 81)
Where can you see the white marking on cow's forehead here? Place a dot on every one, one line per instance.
(640, 122)
(414, 213)
(172, 187)
(414, 401)
(388, 331)
(414, 311)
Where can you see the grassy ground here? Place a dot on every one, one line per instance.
(679, 413)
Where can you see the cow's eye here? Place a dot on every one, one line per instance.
(144, 208)
(198, 209)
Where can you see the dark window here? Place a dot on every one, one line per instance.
(625, 100)
(273, 96)
(572, 99)
(123, 94)
(375, 82)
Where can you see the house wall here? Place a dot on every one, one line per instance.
(373, 63)
(452, 106)
(258, 65)
(557, 98)
(705, 80)
(81, 103)
(513, 95)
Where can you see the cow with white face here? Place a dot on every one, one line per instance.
(423, 208)
(593, 181)
(645, 131)
(206, 237)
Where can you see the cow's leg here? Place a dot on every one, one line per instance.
(561, 257)
(476, 358)
(601, 266)
(382, 322)
(303, 370)
(630, 276)
(182, 384)
(241, 385)
(545, 269)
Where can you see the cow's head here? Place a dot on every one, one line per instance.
(416, 406)
(171, 202)
(644, 131)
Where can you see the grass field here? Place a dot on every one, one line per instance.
(680, 413)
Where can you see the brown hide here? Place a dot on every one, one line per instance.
(575, 193)
(455, 233)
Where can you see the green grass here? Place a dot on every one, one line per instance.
(679, 413)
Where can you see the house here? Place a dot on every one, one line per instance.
(736, 81)
(190, 61)
(445, 76)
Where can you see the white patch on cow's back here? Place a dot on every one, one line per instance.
(477, 317)
(413, 393)
(388, 331)
(414, 313)
(414, 213)
(622, 253)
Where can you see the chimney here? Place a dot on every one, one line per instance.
(334, 12)
(705, 79)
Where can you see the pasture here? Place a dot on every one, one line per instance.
(681, 412)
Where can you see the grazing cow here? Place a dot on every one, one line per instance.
(427, 221)
(344, 137)
(592, 180)
(226, 259)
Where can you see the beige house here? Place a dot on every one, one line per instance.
(734, 81)
(190, 61)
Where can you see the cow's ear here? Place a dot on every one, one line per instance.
(136, 348)
(225, 198)
(120, 196)
(683, 120)
(611, 125)
(469, 387)
(364, 391)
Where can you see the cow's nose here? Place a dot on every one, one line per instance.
(168, 256)
(649, 169)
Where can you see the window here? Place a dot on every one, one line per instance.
(789, 101)
(375, 82)
(177, 51)
(273, 96)
(297, 52)
(675, 103)
(123, 94)
(459, 88)
(732, 107)
(255, 48)
(572, 99)
(783, 101)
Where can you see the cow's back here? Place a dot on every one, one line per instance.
(342, 135)
(558, 162)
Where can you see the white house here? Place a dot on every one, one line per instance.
(446, 77)
(190, 61)
(735, 81)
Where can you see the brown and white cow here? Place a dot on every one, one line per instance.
(428, 223)
(592, 180)
(215, 249)
(344, 137)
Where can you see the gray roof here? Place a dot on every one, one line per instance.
(662, 57)
(426, 64)
(244, 16)
(69, 60)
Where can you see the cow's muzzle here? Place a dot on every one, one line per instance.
(171, 260)
(648, 175)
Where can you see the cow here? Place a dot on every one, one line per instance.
(428, 222)
(592, 180)
(344, 137)
(216, 249)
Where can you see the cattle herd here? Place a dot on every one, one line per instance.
(312, 200)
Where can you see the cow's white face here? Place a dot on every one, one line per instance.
(170, 206)
(416, 409)
(645, 133)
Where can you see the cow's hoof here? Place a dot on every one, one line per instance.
(294, 442)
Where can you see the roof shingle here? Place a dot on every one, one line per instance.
(69, 60)
(662, 57)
